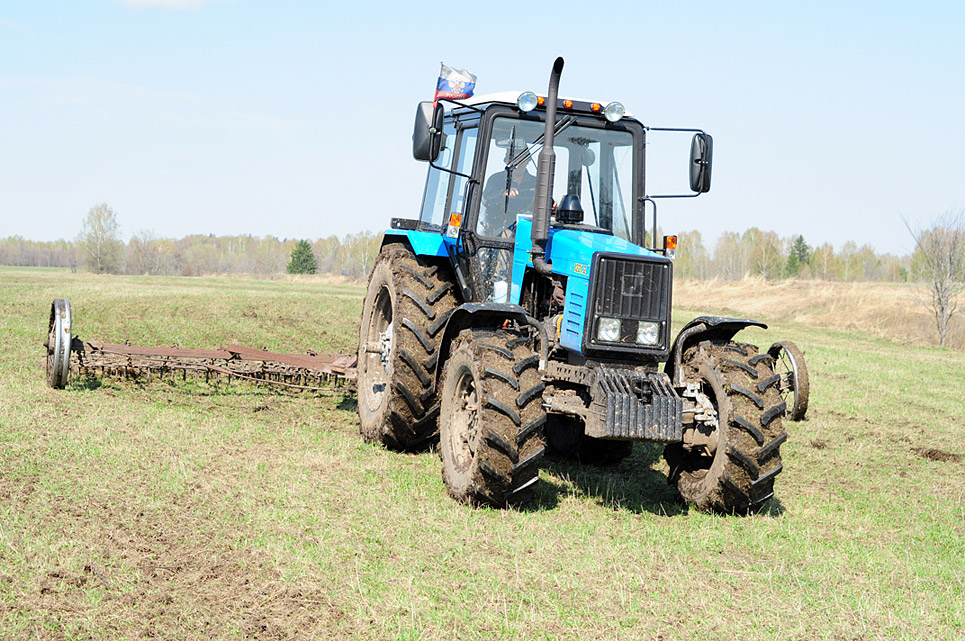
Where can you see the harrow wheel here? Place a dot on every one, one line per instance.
(732, 470)
(58, 344)
(795, 386)
(491, 426)
(405, 310)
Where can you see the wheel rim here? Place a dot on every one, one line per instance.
(377, 364)
(700, 464)
(53, 339)
(463, 423)
(786, 367)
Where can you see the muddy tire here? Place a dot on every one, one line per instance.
(795, 386)
(738, 475)
(565, 437)
(491, 425)
(406, 308)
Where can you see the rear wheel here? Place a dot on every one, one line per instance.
(729, 462)
(406, 307)
(491, 425)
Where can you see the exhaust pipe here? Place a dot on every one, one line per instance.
(544, 177)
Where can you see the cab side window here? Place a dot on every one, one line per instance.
(443, 187)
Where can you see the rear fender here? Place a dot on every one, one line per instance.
(492, 316)
(703, 328)
(421, 243)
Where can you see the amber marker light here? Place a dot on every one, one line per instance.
(455, 222)
(567, 104)
(670, 246)
(595, 107)
(540, 100)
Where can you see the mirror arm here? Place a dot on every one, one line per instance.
(452, 171)
(651, 197)
(671, 196)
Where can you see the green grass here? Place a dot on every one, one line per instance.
(189, 511)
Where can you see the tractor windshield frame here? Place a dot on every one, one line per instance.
(530, 122)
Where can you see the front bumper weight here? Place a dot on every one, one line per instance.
(633, 405)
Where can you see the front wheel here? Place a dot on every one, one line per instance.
(491, 422)
(730, 457)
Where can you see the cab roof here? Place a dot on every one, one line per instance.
(510, 97)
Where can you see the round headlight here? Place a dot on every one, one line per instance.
(527, 101)
(648, 333)
(614, 111)
(608, 329)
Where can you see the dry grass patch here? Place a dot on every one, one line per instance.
(887, 310)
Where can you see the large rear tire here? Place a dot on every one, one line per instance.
(406, 307)
(491, 426)
(736, 475)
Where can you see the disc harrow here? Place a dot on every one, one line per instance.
(70, 356)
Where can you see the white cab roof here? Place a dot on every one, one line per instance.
(511, 97)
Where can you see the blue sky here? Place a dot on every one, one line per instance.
(832, 120)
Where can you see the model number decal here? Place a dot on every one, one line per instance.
(580, 268)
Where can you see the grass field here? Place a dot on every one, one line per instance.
(187, 511)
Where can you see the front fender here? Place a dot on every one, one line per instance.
(491, 315)
(703, 328)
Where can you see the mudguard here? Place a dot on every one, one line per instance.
(703, 328)
(489, 315)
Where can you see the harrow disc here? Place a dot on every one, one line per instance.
(58, 344)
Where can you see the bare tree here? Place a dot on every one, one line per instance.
(939, 263)
(100, 240)
(148, 254)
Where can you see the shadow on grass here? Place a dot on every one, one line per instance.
(86, 383)
(631, 485)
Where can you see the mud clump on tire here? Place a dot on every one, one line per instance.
(492, 418)
(739, 476)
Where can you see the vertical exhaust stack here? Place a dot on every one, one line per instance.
(544, 176)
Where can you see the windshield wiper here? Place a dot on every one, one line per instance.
(528, 153)
(509, 169)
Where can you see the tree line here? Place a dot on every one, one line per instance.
(99, 248)
(764, 254)
(732, 256)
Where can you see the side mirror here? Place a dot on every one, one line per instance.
(427, 135)
(701, 160)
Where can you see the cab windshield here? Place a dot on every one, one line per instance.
(592, 163)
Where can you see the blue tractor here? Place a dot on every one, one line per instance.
(523, 311)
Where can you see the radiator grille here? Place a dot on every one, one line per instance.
(632, 289)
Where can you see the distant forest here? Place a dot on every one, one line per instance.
(352, 255)
(732, 257)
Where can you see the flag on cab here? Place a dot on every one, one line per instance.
(454, 84)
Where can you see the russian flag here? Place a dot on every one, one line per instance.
(454, 84)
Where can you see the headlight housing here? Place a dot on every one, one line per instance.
(614, 111)
(527, 101)
(648, 333)
(608, 329)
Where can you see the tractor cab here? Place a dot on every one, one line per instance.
(483, 182)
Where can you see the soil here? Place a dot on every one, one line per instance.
(933, 454)
(162, 573)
